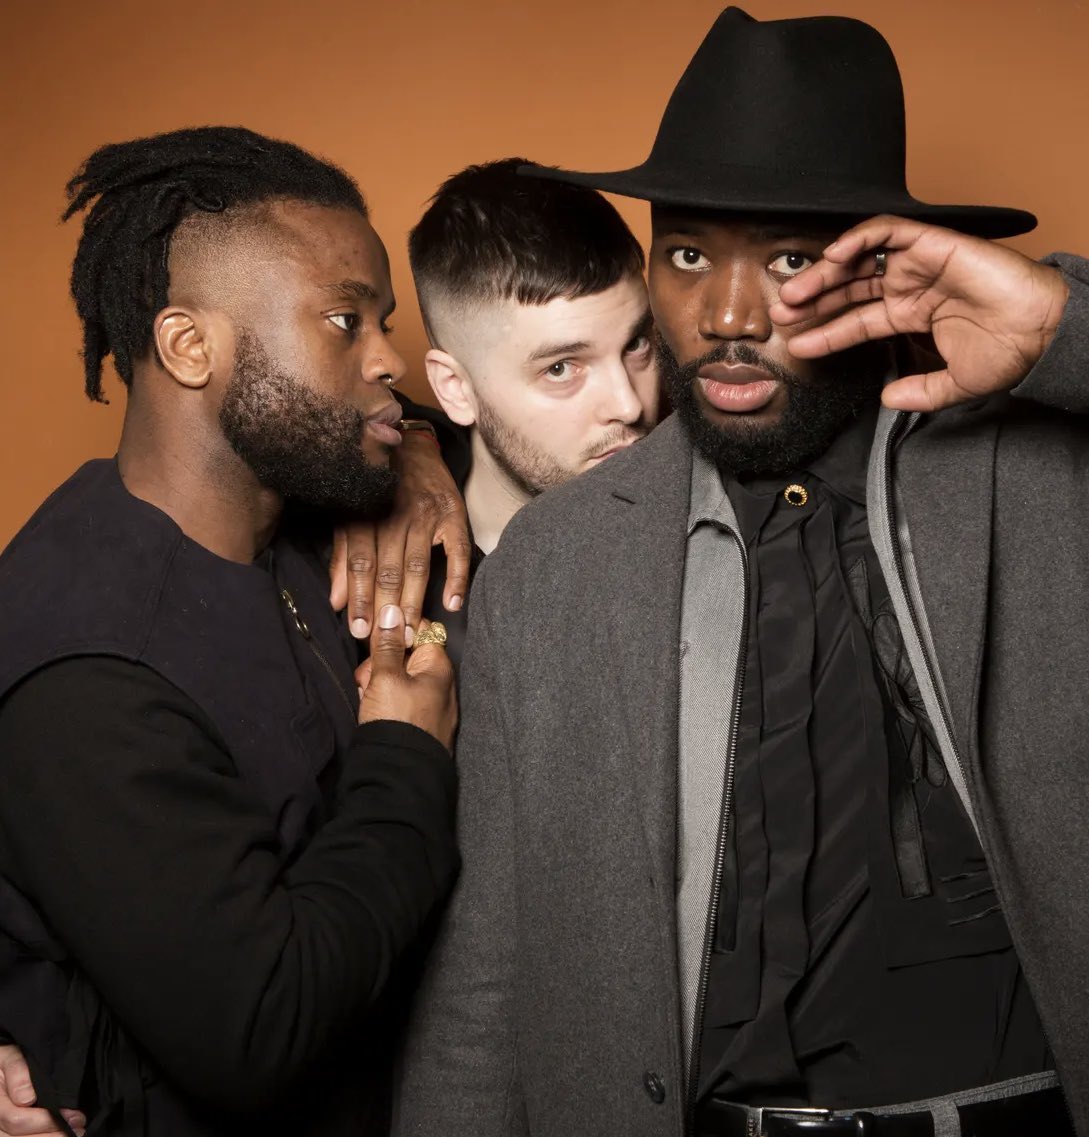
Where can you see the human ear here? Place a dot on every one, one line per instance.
(452, 386)
(182, 346)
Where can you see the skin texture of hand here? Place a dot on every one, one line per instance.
(414, 686)
(389, 563)
(18, 1115)
(991, 311)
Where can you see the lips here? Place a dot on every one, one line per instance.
(737, 388)
(383, 424)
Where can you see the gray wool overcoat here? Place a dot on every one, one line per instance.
(551, 1005)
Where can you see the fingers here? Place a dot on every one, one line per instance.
(387, 646)
(858, 325)
(338, 566)
(359, 575)
(77, 1120)
(428, 658)
(849, 258)
(827, 303)
(417, 566)
(18, 1115)
(23, 1122)
(454, 534)
(389, 577)
(15, 1076)
(929, 392)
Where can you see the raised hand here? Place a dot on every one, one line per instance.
(991, 311)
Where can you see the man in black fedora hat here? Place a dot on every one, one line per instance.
(788, 837)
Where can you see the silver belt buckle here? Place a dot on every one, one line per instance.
(756, 1115)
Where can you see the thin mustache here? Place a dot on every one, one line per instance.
(739, 353)
(615, 440)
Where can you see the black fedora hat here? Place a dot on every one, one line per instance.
(788, 116)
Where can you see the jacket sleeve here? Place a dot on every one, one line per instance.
(459, 1074)
(123, 820)
(1060, 377)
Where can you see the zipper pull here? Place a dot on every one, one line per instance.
(300, 623)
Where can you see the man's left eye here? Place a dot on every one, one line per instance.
(789, 264)
(558, 370)
(346, 321)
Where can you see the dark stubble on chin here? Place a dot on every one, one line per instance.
(299, 443)
(817, 410)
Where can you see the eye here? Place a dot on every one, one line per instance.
(346, 321)
(637, 344)
(560, 370)
(789, 264)
(688, 259)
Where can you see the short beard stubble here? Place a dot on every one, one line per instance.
(528, 467)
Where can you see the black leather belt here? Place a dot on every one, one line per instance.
(1041, 1111)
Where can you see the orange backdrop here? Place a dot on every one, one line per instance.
(405, 92)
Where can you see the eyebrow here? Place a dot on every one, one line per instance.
(352, 290)
(641, 326)
(552, 349)
(356, 290)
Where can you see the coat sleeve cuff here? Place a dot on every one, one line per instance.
(1060, 377)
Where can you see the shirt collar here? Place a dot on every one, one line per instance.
(708, 500)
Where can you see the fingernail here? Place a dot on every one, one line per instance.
(410, 635)
(454, 605)
(360, 628)
(389, 617)
(832, 247)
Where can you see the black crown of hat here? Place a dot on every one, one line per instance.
(788, 116)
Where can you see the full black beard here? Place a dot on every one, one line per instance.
(299, 443)
(816, 412)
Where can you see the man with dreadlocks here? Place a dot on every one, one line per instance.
(216, 840)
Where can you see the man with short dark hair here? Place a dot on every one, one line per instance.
(217, 835)
(533, 298)
(773, 794)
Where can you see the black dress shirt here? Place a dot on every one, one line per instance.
(860, 956)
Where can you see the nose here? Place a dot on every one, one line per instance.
(735, 303)
(382, 364)
(620, 401)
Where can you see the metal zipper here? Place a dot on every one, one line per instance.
(307, 635)
(720, 850)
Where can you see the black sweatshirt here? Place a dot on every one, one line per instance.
(122, 817)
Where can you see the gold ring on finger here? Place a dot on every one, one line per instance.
(434, 633)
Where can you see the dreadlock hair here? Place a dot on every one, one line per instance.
(490, 234)
(145, 189)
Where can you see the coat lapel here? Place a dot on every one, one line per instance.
(641, 614)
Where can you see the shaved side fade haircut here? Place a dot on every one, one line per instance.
(490, 234)
(142, 191)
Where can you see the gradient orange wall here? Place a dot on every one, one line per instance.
(405, 92)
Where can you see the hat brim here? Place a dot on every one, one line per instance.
(744, 190)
